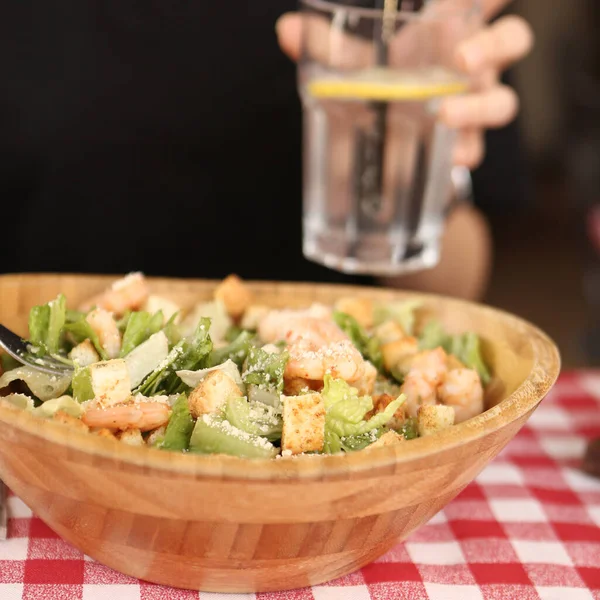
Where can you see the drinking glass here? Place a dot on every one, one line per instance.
(377, 162)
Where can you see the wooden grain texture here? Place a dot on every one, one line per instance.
(224, 524)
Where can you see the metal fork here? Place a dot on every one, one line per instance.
(19, 349)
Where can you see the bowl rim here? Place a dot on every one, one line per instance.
(524, 399)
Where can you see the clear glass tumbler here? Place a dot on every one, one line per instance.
(377, 162)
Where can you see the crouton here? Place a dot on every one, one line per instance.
(297, 385)
(359, 308)
(253, 315)
(391, 438)
(432, 418)
(110, 382)
(105, 433)
(84, 354)
(234, 293)
(389, 331)
(156, 436)
(212, 392)
(155, 303)
(394, 353)
(61, 416)
(303, 423)
(132, 437)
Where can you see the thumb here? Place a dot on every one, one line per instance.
(289, 34)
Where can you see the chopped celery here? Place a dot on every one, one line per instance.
(214, 435)
(180, 427)
(254, 417)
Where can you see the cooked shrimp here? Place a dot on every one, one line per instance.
(105, 327)
(462, 389)
(431, 364)
(277, 324)
(366, 384)
(128, 293)
(313, 361)
(419, 390)
(144, 416)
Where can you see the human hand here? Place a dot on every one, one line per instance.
(483, 56)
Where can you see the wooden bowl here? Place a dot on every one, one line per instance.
(232, 525)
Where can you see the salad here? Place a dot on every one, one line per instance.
(233, 377)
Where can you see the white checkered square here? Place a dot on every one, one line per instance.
(551, 418)
(500, 473)
(551, 553)
(594, 512)
(563, 447)
(563, 593)
(11, 591)
(117, 592)
(356, 592)
(441, 591)
(591, 384)
(580, 482)
(518, 511)
(13, 549)
(17, 509)
(441, 553)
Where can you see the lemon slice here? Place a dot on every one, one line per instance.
(372, 88)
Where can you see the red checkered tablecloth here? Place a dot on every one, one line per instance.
(527, 528)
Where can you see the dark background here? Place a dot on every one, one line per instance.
(545, 267)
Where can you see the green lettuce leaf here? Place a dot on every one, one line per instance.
(237, 351)
(345, 411)
(265, 370)
(255, 418)
(367, 345)
(45, 325)
(180, 427)
(140, 326)
(466, 347)
(189, 354)
(403, 312)
(81, 330)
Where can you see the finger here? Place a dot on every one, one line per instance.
(492, 7)
(505, 42)
(322, 41)
(469, 149)
(494, 108)
(289, 34)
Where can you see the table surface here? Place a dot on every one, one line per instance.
(527, 528)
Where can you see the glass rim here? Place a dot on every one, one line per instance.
(377, 13)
